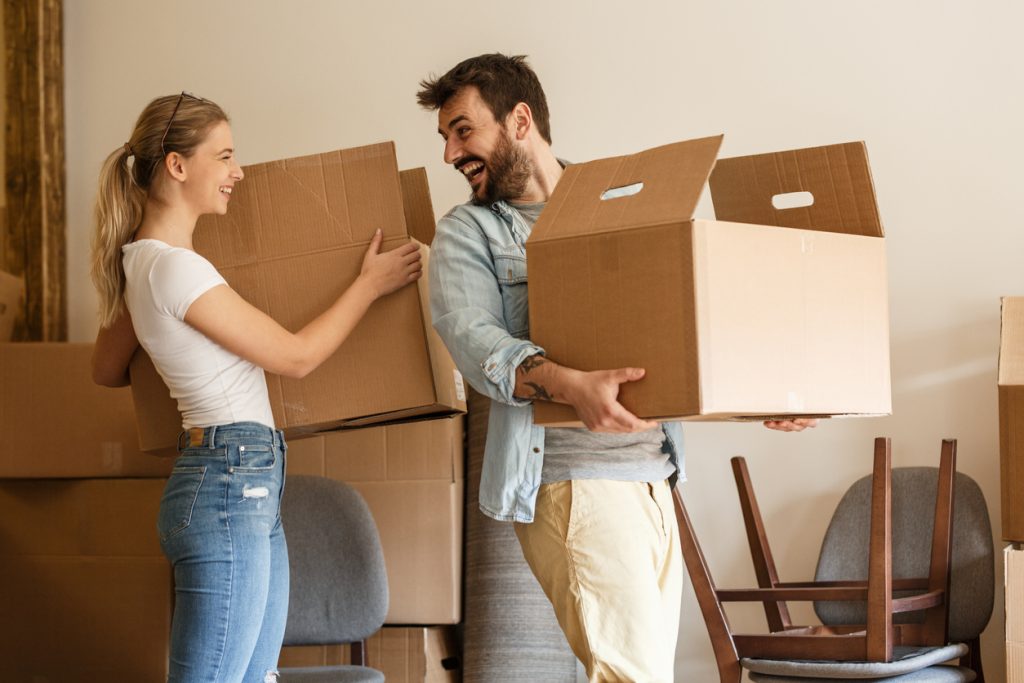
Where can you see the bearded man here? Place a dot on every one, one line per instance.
(592, 507)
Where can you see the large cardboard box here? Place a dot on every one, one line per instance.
(87, 594)
(412, 477)
(735, 318)
(12, 292)
(1013, 558)
(1011, 417)
(291, 243)
(404, 655)
(57, 423)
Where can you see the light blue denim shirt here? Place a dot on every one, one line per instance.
(479, 306)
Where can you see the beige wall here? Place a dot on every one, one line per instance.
(932, 86)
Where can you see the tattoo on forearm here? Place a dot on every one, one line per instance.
(539, 392)
(530, 363)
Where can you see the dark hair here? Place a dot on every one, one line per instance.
(503, 83)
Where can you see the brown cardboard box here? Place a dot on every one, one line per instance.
(403, 655)
(57, 423)
(87, 593)
(292, 241)
(412, 477)
(12, 293)
(1011, 417)
(730, 320)
(1013, 559)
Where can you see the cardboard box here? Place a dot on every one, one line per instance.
(87, 593)
(57, 423)
(1013, 559)
(404, 655)
(1011, 417)
(12, 295)
(730, 319)
(412, 477)
(291, 243)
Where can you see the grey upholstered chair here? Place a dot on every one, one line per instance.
(957, 561)
(972, 570)
(339, 588)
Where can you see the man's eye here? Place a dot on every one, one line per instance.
(463, 132)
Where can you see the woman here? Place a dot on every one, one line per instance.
(219, 519)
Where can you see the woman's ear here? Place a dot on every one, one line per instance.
(174, 163)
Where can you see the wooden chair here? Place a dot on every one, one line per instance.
(877, 647)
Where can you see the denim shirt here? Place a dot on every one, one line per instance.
(479, 306)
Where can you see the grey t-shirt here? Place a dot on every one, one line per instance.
(583, 454)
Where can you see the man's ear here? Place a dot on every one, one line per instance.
(521, 120)
(174, 163)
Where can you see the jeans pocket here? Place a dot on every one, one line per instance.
(179, 500)
(259, 458)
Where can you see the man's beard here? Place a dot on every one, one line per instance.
(508, 173)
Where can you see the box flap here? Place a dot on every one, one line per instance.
(1011, 342)
(653, 187)
(338, 198)
(419, 211)
(837, 177)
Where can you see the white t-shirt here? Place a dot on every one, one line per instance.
(212, 385)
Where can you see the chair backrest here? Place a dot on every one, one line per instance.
(339, 588)
(844, 548)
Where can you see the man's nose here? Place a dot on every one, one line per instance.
(452, 150)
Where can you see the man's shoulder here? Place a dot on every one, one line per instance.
(471, 214)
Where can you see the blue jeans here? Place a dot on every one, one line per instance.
(220, 526)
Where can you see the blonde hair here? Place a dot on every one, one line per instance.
(174, 123)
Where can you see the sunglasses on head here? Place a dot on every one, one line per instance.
(182, 96)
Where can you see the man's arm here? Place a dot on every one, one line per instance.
(468, 311)
(594, 395)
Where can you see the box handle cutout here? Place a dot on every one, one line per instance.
(792, 200)
(624, 191)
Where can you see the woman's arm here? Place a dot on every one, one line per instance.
(115, 346)
(226, 318)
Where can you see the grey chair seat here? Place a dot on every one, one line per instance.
(908, 664)
(331, 674)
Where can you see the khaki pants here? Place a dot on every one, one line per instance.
(607, 555)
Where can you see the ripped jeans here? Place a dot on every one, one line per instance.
(220, 526)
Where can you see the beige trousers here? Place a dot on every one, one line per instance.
(607, 555)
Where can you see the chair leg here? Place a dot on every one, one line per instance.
(729, 670)
(358, 653)
(776, 613)
(936, 623)
(879, 617)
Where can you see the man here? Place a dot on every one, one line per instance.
(592, 507)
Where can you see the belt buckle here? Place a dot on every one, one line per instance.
(195, 436)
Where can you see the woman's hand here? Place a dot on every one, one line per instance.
(385, 272)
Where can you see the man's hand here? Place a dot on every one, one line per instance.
(797, 425)
(594, 395)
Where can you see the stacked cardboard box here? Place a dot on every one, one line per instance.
(1013, 559)
(88, 593)
(412, 477)
(58, 424)
(781, 313)
(1011, 418)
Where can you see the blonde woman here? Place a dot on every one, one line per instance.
(219, 521)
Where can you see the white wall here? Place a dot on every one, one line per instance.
(934, 87)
